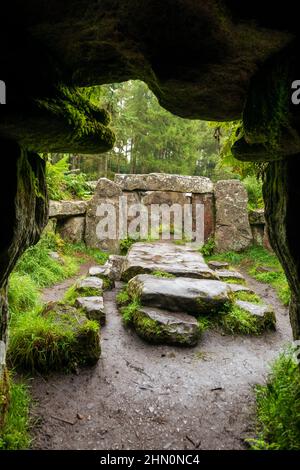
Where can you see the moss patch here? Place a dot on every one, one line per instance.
(58, 337)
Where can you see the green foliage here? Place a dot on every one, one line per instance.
(278, 407)
(63, 184)
(129, 311)
(23, 294)
(15, 433)
(208, 248)
(254, 260)
(74, 292)
(42, 269)
(204, 323)
(81, 250)
(126, 244)
(247, 297)
(254, 190)
(123, 297)
(44, 341)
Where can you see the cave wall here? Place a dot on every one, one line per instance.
(24, 214)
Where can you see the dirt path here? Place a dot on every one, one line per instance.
(148, 397)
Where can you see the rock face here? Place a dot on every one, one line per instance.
(179, 260)
(233, 232)
(195, 296)
(107, 195)
(73, 229)
(157, 181)
(263, 314)
(64, 209)
(163, 327)
(24, 206)
(93, 307)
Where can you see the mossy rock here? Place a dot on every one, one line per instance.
(59, 337)
(162, 327)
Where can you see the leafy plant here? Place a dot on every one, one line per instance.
(126, 244)
(208, 248)
(278, 407)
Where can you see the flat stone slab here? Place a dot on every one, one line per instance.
(62, 209)
(93, 307)
(104, 273)
(165, 182)
(90, 283)
(229, 275)
(218, 265)
(180, 294)
(263, 313)
(240, 288)
(163, 327)
(179, 260)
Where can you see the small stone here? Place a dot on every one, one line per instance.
(229, 275)
(93, 307)
(218, 265)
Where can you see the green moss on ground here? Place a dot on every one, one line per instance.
(74, 292)
(278, 407)
(54, 338)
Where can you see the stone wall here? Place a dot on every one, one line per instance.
(226, 216)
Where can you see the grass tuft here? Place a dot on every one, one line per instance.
(278, 407)
(15, 433)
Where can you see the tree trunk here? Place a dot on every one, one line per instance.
(282, 199)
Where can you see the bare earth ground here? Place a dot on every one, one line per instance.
(157, 397)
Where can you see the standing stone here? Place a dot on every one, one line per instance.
(72, 229)
(107, 192)
(233, 232)
(257, 224)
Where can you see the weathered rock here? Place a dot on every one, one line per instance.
(232, 224)
(263, 314)
(24, 209)
(227, 275)
(51, 226)
(179, 260)
(163, 327)
(115, 263)
(80, 347)
(239, 288)
(180, 294)
(218, 265)
(93, 307)
(257, 217)
(104, 273)
(208, 202)
(157, 181)
(89, 286)
(103, 209)
(258, 233)
(72, 229)
(63, 209)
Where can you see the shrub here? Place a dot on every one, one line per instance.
(278, 407)
(125, 244)
(254, 189)
(208, 247)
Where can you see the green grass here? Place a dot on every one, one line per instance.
(238, 322)
(129, 310)
(278, 407)
(248, 297)
(15, 433)
(123, 298)
(81, 250)
(46, 341)
(252, 260)
(163, 274)
(74, 292)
